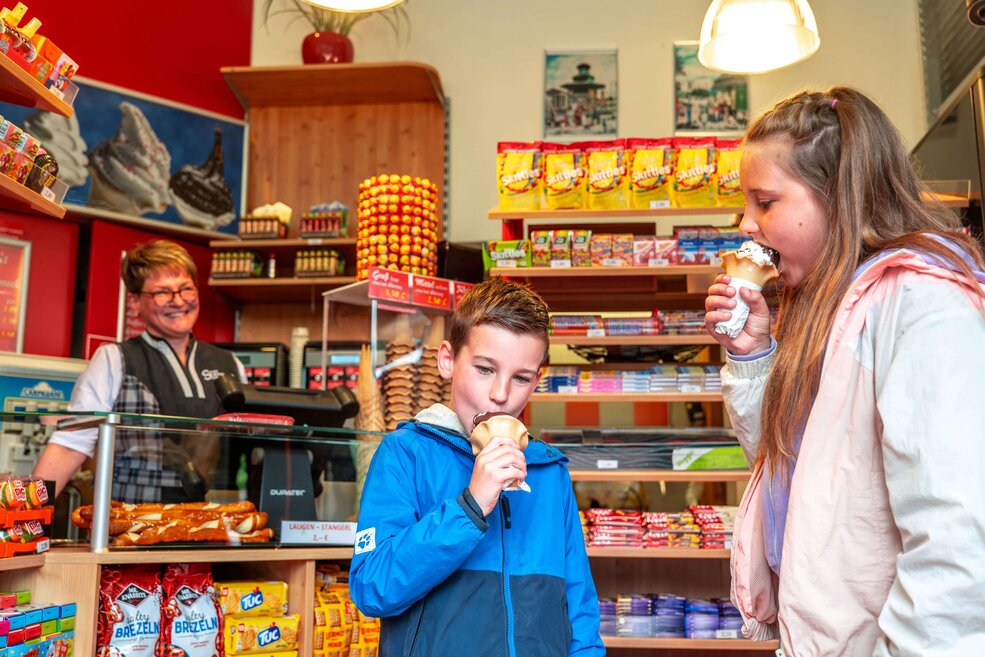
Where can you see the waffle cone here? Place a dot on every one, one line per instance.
(747, 269)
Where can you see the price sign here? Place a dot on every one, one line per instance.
(596, 333)
(560, 264)
(431, 292)
(607, 464)
(313, 532)
(389, 285)
(461, 289)
(314, 241)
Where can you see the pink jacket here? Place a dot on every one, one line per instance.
(884, 548)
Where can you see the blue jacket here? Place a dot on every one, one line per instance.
(447, 581)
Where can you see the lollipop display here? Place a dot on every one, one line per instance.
(397, 225)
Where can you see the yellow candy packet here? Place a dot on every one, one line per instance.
(564, 176)
(518, 175)
(607, 180)
(728, 191)
(695, 172)
(651, 172)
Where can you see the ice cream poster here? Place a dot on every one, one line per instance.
(15, 260)
(143, 157)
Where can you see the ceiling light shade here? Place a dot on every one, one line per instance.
(755, 36)
(354, 6)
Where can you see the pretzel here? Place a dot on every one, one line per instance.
(172, 533)
(242, 523)
(82, 516)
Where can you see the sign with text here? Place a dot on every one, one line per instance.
(316, 532)
(431, 292)
(15, 263)
(461, 289)
(389, 285)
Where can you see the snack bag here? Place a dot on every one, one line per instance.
(607, 180)
(651, 172)
(192, 620)
(695, 172)
(506, 253)
(540, 245)
(518, 175)
(13, 493)
(129, 611)
(564, 176)
(727, 191)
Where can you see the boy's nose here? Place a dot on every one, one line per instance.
(500, 391)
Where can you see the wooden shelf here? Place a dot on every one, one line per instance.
(598, 272)
(17, 86)
(635, 340)
(300, 243)
(17, 197)
(82, 555)
(674, 476)
(686, 644)
(277, 290)
(26, 561)
(627, 213)
(656, 553)
(626, 397)
(335, 84)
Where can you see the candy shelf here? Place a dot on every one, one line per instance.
(634, 340)
(622, 213)
(26, 561)
(277, 290)
(596, 272)
(675, 476)
(626, 397)
(656, 553)
(17, 86)
(17, 197)
(687, 644)
(280, 246)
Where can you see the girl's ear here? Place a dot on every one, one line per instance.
(446, 359)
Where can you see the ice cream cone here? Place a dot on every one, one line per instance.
(750, 267)
(738, 266)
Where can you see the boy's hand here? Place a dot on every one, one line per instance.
(499, 461)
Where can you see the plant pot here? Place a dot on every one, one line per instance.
(326, 48)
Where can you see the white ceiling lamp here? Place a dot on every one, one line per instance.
(755, 36)
(354, 6)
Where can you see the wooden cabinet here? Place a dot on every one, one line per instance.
(315, 132)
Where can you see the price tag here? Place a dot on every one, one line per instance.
(507, 264)
(389, 285)
(665, 203)
(57, 93)
(315, 241)
(690, 387)
(48, 194)
(431, 292)
(567, 390)
(313, 532)
(726, 634)
(596, 333)
(461, 289)
(560, 264)
(43, 545)
(612, 262)
(658, 262)
(607, 464)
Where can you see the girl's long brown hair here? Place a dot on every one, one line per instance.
(845, 149)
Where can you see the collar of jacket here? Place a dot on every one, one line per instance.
(442, 423)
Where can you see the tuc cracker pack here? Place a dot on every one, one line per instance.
(252, 598)
(564, 176)
(518, 175)
(695, 172)
(651, 172)
(607, 180)
(260, 634)
(728, 192)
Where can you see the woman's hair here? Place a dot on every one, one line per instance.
(846, 150)
(144, 260)
(504, 304)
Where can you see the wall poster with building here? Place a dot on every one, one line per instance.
(705, 101)
(580, 94)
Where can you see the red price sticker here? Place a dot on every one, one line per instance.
(432, 292)
(389, 285)
(461, 289)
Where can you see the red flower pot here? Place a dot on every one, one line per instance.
(326, 48)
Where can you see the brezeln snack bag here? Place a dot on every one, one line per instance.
(607, 180)
(728, 191)
(651, 172)
(564, 176)
(695, 173)
(518, 175)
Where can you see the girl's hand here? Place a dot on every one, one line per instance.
(499, 461)
(755, 335)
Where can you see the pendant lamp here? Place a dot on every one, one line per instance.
(756, 36)
(354, 6)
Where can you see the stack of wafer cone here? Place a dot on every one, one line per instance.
(369, 418)
(398, 382)
(430, 385)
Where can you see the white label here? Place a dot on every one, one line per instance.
(48, 194)
(690, 388)
(607, 464)
(612, 262)
(658, 262)
(314, 532)
(665, 203)
(365, 540)
(315, 241)
(726, 634)
(506, 263)
(43, 545)
(57, 93)
(560, 264)
(596, 333)
(567, 390)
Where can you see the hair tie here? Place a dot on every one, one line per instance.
(833, 103)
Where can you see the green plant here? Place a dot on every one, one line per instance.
(326, 20)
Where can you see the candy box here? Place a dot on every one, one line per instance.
(506, 253)
(664, 252)
(622, 249)
(643, 251)
(581, 248)
(540, 245)
(561, 247)
(259, 634)
(252, 598)
(601, 248)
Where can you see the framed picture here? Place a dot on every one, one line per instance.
(580, 94)
(143, 158)
(706, 102)
(15, 264)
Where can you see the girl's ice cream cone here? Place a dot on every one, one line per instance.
(750, 267)
(747, 269)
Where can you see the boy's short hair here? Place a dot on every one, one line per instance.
(498, 302)
(144, 260)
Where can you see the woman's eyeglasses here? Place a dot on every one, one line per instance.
(164, 297)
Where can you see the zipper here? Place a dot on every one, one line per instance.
(507, 517)
(772, 515)
(507, 597)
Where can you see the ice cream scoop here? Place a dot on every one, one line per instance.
(500, 425)
(200, 194)
(62, 138)
(752, 267)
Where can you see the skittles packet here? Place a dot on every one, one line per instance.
(651, 172)
(607, 179)
(518, 175)
(564, 176)
(728, 192)
(695, 174)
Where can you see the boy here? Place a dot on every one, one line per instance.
(452, 564)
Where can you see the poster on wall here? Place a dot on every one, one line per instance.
(580, 94)
(15, 263)
(706, 102)
(143, 157)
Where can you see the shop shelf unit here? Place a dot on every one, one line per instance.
(696, 573)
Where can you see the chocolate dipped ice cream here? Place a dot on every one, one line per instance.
(200, 194)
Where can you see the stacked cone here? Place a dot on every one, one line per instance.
(369, 418)
(397, 225)
(398, 382)
(430, 385)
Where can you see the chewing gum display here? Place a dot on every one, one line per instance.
(561, 249)
(252, 598)
(540, 245)
(564, 176)
(581, 254)
(608, 183)
(518, 175)
(727, 191)
(651, 172)
(695, 173)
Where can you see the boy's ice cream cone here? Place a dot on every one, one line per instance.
(500, 425)
(750, 267)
